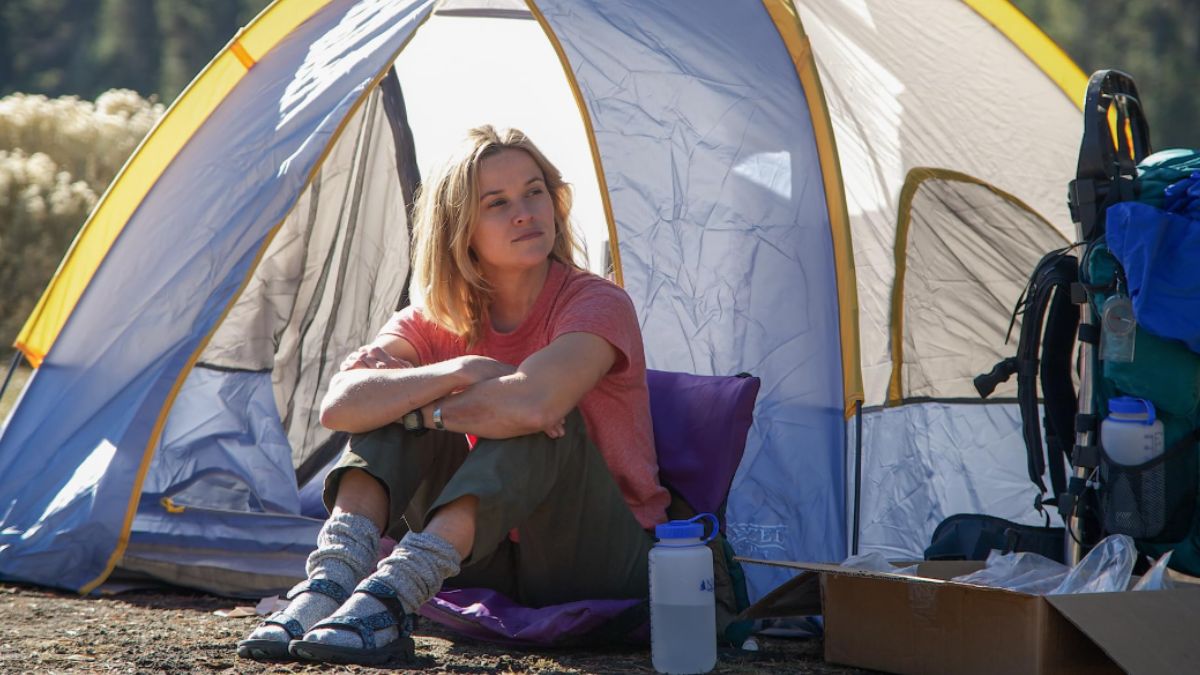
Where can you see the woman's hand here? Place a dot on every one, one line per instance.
(558, 430)
(476, 369)
(373, 357)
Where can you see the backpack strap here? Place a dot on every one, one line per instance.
(1058, 389)
(1045, 347)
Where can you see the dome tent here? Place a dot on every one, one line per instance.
(825, 194)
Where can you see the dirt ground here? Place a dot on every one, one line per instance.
(43, 631)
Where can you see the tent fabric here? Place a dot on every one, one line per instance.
(209, 549)
(224, 448)
(896, 108)
(750, 163)
(163, 143)
(332, 274)
(1038, 46)
(241, 175)
(923, 462)
(963, 255)
(721, 220)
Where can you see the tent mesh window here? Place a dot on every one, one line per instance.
(335, 271)
(968, 255)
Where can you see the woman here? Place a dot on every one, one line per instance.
(518, 347)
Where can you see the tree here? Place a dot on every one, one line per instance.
(43, 40)
(127, 45)
(192, 31)
(1155, 41)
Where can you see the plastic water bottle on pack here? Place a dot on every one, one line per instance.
(1134, 494)
(683, 610)
(1130, 434)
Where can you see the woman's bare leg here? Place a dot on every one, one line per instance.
(455, 522)
(360, 494)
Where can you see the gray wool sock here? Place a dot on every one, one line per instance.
(347, 547)
(415, 570)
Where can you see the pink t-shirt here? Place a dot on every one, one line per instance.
(616, 410)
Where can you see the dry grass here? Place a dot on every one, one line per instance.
(9, 399)
(178, 632)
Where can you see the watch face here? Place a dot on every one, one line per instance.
(412, 421)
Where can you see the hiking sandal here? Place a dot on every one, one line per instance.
(266, 649)
(402, 648)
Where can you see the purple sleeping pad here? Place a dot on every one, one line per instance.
(700, 426)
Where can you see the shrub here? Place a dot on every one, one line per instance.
(90, 141)
(56, 157)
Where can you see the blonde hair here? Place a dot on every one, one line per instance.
(444, 268)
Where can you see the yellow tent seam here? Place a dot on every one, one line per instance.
(156, 432)
(1035, 44)
(787, 22)
(110, 215)
(613, 244)
(912, 181)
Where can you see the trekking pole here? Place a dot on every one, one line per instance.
(1104, 176)
(1083, 438)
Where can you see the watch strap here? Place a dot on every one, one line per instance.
(413, 421)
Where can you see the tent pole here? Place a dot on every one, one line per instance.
(12, 368)
(857, 473)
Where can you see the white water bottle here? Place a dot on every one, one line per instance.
(683, 610)
(1130, 434)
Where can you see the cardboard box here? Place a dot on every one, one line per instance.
(928, 624)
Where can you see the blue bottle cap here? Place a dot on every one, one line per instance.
(679, 529)
(1129, 405)
(687, 529)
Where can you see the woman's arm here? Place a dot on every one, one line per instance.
(376, 391)
(536, 397)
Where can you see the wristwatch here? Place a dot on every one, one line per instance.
(413, 421)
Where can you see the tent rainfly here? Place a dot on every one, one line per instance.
(842, 198)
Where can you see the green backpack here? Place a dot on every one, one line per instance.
(1157, 501)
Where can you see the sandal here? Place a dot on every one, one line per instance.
(266, 649)
(402, 648)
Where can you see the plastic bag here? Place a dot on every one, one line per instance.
(1106, 568)
(874, 561)
(1025, 572)
(1157, 578)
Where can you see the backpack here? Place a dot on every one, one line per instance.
(1155, 503)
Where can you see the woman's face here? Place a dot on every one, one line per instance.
(515, 227)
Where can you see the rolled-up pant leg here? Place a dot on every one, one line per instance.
(413, 468)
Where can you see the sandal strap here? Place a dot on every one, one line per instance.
(294, 630)
(386, 595)
(327, 587)
(365, 627)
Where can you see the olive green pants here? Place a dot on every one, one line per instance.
(578, 538)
